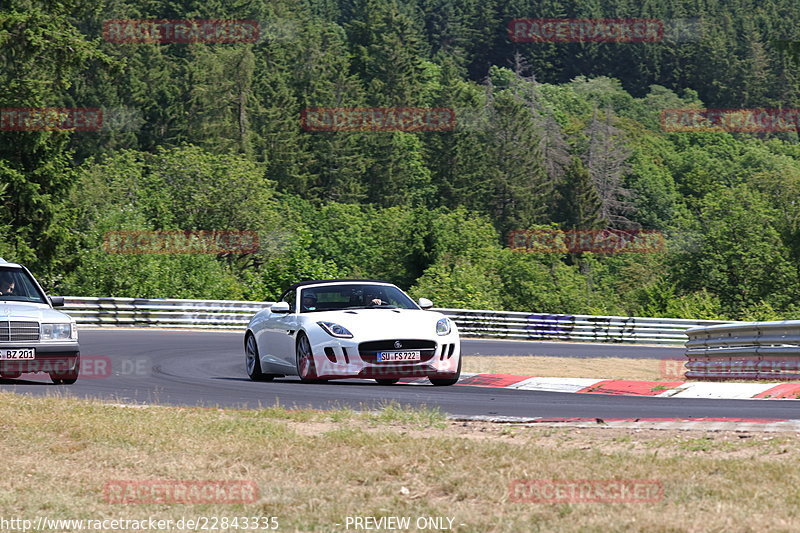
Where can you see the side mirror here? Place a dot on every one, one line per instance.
(425, 303)
(57, 301)
(280, 307)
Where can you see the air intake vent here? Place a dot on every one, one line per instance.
(330, 354)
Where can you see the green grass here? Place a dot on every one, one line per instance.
(424, 417)
(315, 468)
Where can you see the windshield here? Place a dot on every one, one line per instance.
(16, 285)
(353, 296)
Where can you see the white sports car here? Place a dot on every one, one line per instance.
(336, 329)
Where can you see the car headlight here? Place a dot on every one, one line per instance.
(51, 332)
(335, 330)
(443, 326)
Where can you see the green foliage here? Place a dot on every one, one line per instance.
(106, 272)
(700, 305)
(463, 272)
(581, 207)
(540, 283)
(42, 53)
(740, 257)
(207, 136)
(459, 284)
(292, 264)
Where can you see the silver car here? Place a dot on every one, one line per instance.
(34, 337)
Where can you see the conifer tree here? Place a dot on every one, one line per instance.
(581, 206)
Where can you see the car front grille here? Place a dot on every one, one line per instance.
(14, 331)
(369, 350)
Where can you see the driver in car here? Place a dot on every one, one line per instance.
(375, 298)
(6, 286)
(309, 302)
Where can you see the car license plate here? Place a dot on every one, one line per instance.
(398, 356)
(13, 354)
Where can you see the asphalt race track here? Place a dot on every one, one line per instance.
(207, 369)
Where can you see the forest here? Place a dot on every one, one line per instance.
(213, 136)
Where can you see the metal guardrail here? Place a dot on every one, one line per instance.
(234, 315)
(586, 328)
(746, 350)
(171, 313)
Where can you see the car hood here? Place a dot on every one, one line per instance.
(31, 311)
(379, 322)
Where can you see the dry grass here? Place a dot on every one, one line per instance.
(313, 469)
(572, 367)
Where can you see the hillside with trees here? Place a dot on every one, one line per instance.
(208, 136)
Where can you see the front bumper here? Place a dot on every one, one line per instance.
(343, 358)
(50, 357)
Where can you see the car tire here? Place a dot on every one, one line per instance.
(450, 379)
(387, 381)
(304, 360)
(252, 362)
(68, 377)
